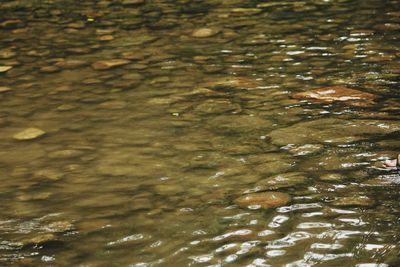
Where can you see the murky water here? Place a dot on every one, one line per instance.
(149, 119)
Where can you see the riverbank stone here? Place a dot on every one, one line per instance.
(264, 200)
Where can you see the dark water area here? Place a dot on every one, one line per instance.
(199, 133)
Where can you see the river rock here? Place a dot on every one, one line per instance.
(39, 240)
(132, 2)
(108, 64)
(66, 154)
(332, 177)
(5, 68)
(283, 180)
(238, 123)
(7, 53)
(204, 32)
(331, 130)
(264, 200)
(233, 82)
(217, 106)
(71, 63)
(246, 11)
(115, 104)
(50, 174)
(358, 201)
(342, 94)
(273, 167)
(59, 227)
(29, 134)
(306, 149)
(4, 89)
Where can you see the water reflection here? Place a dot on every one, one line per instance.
(130, 128)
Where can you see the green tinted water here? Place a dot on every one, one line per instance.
(157, 115)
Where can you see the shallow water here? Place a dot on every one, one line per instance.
(141, 163)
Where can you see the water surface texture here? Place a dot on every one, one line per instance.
(130, 128)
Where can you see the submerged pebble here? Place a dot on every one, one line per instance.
(29, 134)
(264, 200)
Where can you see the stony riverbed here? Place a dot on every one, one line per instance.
(199, 133)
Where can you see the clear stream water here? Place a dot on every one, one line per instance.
(141, 163)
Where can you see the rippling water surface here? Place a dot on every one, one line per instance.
(152, 117)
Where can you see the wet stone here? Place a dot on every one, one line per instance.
(71, 63)
(116, 104)
(7, 53)
(332, 177)
(5, 68)
(233, 82)
(238, 123)
(4, 89)
(132, 2)
(11, 24)
(59, 227)
(38, 240)
(204, 32)
(341, 94)
(108, 64)
(306, 149)
(49, 69)
(357, 201)
(29, 134)
(217, 106)
(273, 167)
(331, 130)
(66, 154)
(66, 107)
(246, 11)
(50, 174)
(33, 196)
(264, 200)
(283, 180)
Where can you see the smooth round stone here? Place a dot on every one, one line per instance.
(5, 68)
(29, 134)
(108, 64)
(204, 32)
(358, 201)
(264, 200)
(4, 89)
